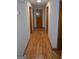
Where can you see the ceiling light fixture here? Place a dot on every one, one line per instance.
(38, 1)
(37, 13)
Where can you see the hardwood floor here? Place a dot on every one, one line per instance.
(39, 46)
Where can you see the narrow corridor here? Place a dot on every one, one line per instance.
(39, 29)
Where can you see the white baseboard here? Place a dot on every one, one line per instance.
(21, 57)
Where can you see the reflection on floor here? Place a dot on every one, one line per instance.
(39, 46)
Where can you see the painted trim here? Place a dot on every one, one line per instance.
(21, 58)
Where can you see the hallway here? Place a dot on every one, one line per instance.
(39, 46)
(38, 29)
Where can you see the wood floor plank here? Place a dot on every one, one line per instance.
(39, 46)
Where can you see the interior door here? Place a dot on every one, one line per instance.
(30, 8)
(39, 18)
(60, 27)
(47, 19)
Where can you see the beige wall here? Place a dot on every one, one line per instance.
(53, 21)
(23, 26)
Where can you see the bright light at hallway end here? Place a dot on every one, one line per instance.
(38, 1)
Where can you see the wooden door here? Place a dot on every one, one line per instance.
(60, 27)
(47, 19)
(39, 19)
(30, 8)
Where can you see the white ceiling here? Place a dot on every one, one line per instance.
(34, 2)
(42, 3)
